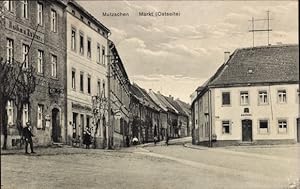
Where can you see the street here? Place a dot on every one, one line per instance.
(173, 166)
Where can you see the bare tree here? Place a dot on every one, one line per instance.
(17, 84)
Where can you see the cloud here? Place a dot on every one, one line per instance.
(176, 85)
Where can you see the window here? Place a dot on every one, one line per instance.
(81, 49)
(9, 50)
(73, 12)
(281, 96)
(54, 66)
(89, 84)
(40, 14)
(263, 126)
(25, 9)
(103, 86)
(298, 96)
(89, 23)
(282, 126)
(40, 112)
(244, 98)
(25, 49)
(262, 97)
(10, 112)
(9, 5)
(73, 39)
(73, 79)
(89, 50)
(53, 21)
(99, 88)
(226, 98)
(40, 61)
(226, 127)
(81, 17)
(103, 55)
(25, 115)
(98, 53)
(81, 82)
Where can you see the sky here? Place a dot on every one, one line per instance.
(176, 54)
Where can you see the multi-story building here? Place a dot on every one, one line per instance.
(120, 99)
(87, 60)
(33, 32)
(252, 98)
(146, 122)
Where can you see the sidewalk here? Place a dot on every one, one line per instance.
(176, 141)
(66, 150)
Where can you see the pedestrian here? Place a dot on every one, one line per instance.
(167, 139)
(87, 138)
(27, 133)
(127, 141)
(155, 140)
(135, 141)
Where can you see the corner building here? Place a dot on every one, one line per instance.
(45, 109)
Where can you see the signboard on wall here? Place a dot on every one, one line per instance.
(24, 30)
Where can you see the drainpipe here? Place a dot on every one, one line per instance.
(210, 118)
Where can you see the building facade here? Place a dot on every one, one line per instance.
(87, 62)
(253, 98)
(33, 33)
(120, 99)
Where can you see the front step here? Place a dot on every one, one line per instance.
(246, 143)
(57, 144)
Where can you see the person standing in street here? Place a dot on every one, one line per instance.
(87, 138)
(27, 133)
(167, 139)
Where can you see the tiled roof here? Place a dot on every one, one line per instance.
(186, 107)
(143, 97)
(265, 64)
(166, 103)
(176, 105)
(156, 100)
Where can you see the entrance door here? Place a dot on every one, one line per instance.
(247, 130)
(298, 129)
(55, 125)
(75, 126)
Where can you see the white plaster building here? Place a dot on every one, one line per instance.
(253, 98)
(87, 50)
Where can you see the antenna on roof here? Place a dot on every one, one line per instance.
(253, 30)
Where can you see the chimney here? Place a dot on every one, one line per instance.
(150, 90)
(226, 56)
(158, 92)
(170, 96)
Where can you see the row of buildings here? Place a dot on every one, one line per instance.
(253, 98)
(81, 80)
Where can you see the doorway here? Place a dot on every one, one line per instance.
(247, 130)
(56, 131)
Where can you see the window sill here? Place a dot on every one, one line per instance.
(54, 78)
(224, 105)
(263, 104)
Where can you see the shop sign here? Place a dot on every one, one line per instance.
(24, 30)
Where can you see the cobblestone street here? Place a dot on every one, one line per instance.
(173, 166)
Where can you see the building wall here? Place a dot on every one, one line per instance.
(201, 115)
(81, 102)
(51, 43)
(273, 111)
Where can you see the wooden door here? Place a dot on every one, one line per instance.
(247, 130)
